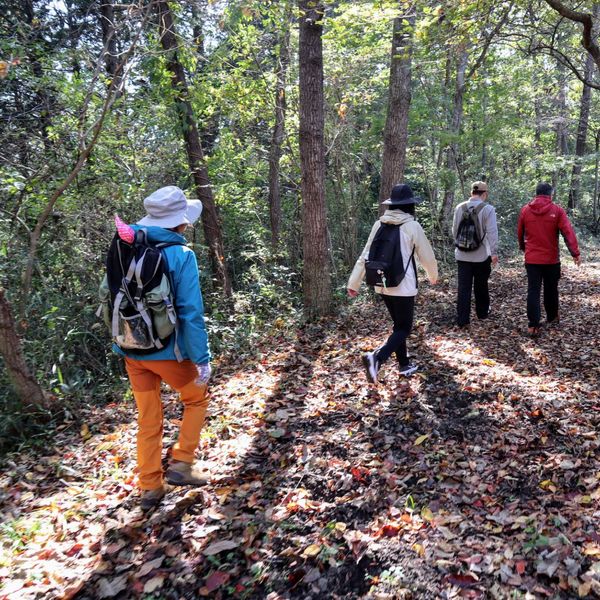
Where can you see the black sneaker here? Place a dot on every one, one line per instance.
(408, 370)
(371, 366)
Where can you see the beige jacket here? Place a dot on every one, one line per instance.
(411, 236)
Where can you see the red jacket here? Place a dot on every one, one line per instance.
(539, 223)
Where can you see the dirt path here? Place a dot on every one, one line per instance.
(479, 478)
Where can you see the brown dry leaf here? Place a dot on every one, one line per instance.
(153, 584)
(150, 566)
(221, 546)
(109, 588)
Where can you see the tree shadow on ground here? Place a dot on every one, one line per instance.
(332, 487)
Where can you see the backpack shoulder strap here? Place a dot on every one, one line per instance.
(478, 223)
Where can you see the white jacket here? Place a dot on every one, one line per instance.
(411, 236)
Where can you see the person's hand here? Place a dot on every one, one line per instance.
(494, 260)
(204, 372)
(577, 260)
(352, 293)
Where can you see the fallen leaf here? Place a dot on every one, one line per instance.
(150, 566)
(109, 588)
(153, 584)
(312, 550)
(221, 546)
(216, 580)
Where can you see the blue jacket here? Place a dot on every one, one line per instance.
(183, 269)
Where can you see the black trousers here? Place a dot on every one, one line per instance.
(473, 276)
(402, 310)
(548, 275)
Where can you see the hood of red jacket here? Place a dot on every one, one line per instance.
(540, 205)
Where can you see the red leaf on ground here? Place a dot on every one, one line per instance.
(462, 581)
(216, 580)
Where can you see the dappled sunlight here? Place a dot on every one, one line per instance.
(456, 473)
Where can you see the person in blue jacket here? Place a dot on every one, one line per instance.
(184, 363)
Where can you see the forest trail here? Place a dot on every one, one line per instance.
(478, 478)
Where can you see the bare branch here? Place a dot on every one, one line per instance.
(84, 154)
(566, 61)
(587, 20)
(487, 43)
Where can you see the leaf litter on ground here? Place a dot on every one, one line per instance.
(478, 478)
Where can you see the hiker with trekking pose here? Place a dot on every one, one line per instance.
(152, 303)
(388, 264)
(540, 222)
(475, 233)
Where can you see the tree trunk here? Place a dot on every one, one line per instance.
(35, 50)
(316, 273)
(279, 129)
(595, 210)
(455, 127)
(28, 389)
(395, 135)
(193, 146)
(582, 128)
(107, 25)
(561, 142)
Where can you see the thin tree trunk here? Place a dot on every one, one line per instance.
(279, 130)
(210, 218)
(316, 271)
(107, 25)
(35, 49)
(582, 128)
(562, 143)
(455, 127)
(596, 183)
(198, 16)
(28, 389)
(395, 134)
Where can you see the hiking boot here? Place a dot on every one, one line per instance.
(151, 498)
(182, 473)
(408, 370)
(371, 366)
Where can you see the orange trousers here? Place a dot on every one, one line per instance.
(145, 377)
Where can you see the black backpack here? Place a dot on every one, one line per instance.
(385, 266)
(469, 235)
(136, 294)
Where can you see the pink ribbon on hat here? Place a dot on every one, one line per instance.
(126, 232)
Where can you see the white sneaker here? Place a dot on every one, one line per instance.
(371, 366)
(408, 370)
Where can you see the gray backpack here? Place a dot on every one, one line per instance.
(136, 299)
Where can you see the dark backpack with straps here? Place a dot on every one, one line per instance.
(469, 235)
(385, 265)
(136, 294)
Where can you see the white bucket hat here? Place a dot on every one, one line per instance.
(168, 207)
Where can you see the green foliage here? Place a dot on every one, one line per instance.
(53, 94)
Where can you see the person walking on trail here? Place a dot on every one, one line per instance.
(183, 363)
(540, 222)
(398, 235)
(475, 232)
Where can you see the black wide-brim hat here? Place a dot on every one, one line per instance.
(401, 195)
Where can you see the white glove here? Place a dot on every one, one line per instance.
(204, 372)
